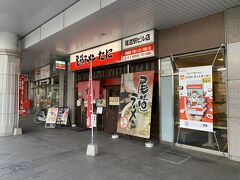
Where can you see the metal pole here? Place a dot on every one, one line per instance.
(91, 84)
(178, 133)
(159, 100)
(214, 132)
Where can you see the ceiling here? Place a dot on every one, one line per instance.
(22, 16)
(119, 20)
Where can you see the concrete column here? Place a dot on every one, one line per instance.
(9, 69)
(71, 94)
(232, 30)
(61, 88)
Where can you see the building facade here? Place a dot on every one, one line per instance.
(211, 40)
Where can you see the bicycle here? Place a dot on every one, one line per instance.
(40, 115)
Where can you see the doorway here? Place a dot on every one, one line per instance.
(113, 93)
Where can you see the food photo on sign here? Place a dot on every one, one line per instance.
(136, 104)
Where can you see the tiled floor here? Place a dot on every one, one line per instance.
(60, 154)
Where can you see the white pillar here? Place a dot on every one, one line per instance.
(232, 29)
(9, 69)
(71, 95)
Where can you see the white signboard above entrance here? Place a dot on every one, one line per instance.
(138, 46)
(138, 40)
(42, 73)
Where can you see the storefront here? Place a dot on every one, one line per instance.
(206, 125)
(189, 48)
(112, 63)
(193, 85)
(48, 85)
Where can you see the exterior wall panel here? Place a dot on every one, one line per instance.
(52, 26)
(193, 36)
(32, 38)
(80, 10)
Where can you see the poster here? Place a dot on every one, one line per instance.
(62, 117)
(52, 116)
(114, 101)
(196, 98)
(101, 102)
(136, 104)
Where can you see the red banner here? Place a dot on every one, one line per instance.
(83, 89)
(22, 99)
(90, 98)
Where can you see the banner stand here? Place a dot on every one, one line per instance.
(50, 125)
(214, 133)
(92, 149)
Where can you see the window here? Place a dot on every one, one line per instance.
(201, 138)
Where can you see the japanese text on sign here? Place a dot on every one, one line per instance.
(139, 99)
(102, 55)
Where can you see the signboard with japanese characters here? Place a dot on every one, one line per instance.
(113, 101)
(22, 110)
(196, 98)
(138, 46)
(60, 65)
(100, 56)
(136, 104)
(42, 73)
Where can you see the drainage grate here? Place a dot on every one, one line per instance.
(173, 157)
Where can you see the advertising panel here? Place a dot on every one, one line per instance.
(60, 65)
(196, 98)
(100, 56)
(138, 46)
(52, 115)
(62, 117)
(42, 73)
(136, 104)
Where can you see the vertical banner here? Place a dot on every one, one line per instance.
(136, 104)
(195, 96)
(89, 99)
(22, 110)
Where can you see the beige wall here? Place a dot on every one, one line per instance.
(205, 33)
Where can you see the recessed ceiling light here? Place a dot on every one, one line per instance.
(220, 59)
